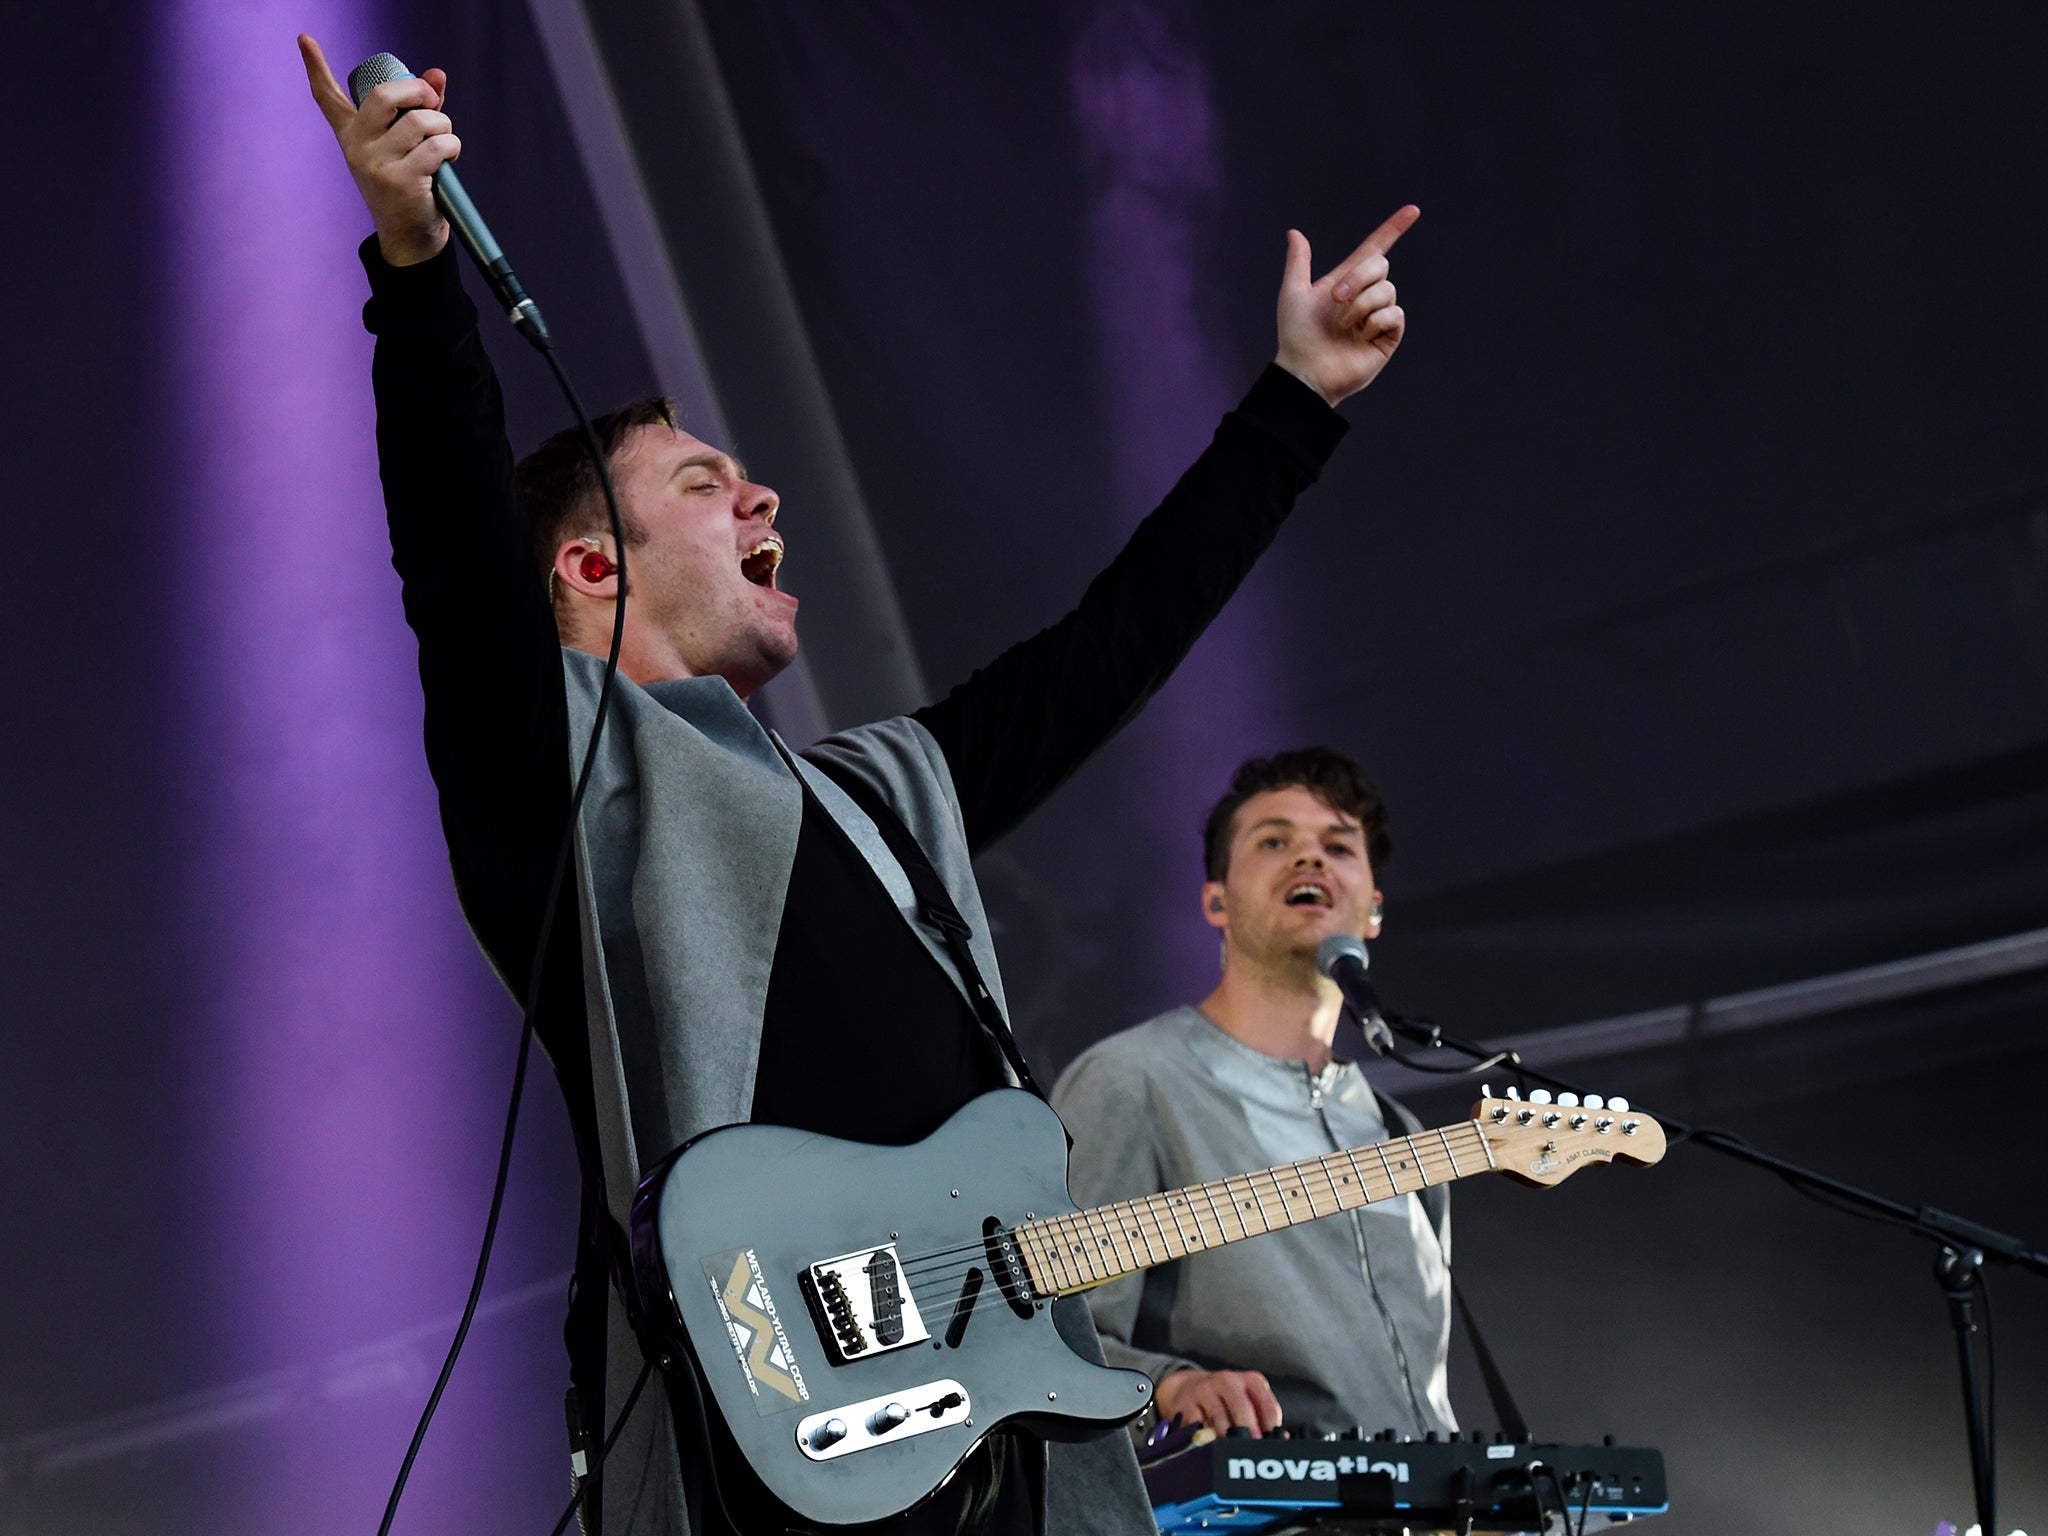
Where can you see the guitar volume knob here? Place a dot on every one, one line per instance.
(887, 1417)
(829, 1433)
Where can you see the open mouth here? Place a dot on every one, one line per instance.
(758, 564)
(1307, 894)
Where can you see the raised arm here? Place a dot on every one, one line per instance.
(1015, 730)
(490, 662)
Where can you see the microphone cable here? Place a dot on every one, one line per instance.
(625, 1413)
(537, 335)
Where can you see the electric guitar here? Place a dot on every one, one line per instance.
(863, 1315)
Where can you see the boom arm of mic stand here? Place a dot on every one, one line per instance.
(1929, 1221)
(1964, 1246)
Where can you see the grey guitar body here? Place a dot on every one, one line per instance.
(858, 1314)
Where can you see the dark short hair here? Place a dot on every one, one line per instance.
(1330, 776)
(559, 485)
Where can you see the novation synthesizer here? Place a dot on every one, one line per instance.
(1352, 1482)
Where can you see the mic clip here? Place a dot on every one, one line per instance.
(1373, 1026)
(1420, 1031)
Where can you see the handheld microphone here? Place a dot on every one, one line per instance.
(468, 224)
(1342, 958)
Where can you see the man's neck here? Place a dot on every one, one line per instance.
(1289, 1012)
(644, 662)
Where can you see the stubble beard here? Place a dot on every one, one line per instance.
(1284, 962)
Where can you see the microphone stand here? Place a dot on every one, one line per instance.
(1962, 1246)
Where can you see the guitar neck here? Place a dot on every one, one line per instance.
(1084, 1249)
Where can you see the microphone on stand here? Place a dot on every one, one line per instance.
(468, 224)
(1343, 959)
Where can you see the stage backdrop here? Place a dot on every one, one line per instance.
(1684, 582)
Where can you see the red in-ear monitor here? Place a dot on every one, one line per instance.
(596, 567)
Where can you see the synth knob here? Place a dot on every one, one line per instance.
(887, 1417)
(1237, 1432)
(1539, 1096)
(1591, 1101)
(1618, 1105)
(831, 1432)
(1431, 1436)
(1568, 1100)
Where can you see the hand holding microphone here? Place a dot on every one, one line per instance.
(399, 146)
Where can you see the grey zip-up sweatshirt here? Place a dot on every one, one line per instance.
(1349, 1317)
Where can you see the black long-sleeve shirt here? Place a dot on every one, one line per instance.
(847, 971)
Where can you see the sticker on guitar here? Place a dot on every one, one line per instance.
(754, 1326)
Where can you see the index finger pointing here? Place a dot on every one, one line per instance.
(328, 95)
(1381, 240)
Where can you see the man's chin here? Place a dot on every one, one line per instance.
(774, 656)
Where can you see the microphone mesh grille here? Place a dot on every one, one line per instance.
(373, 72)
(1336, 947)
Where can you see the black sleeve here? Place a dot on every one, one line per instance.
(1014, 731)
(490, 661)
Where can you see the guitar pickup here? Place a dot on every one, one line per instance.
(862, 1304)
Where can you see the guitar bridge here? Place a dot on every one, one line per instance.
(862, 1305)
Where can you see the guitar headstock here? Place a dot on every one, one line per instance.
(1541, 1141)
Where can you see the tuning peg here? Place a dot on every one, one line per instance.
(1486, 1090)
(1568, 1100)
(1539, 1096)
(1618, 1105)
(1591, 1101)
(1514, 1093)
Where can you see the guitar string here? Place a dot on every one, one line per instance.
(1142, 1207)
(1431, 1150)
(1433, 1155)
(941, 1265)
(928, 1277)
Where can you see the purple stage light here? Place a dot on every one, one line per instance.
(350, 1051)
(1141, 96)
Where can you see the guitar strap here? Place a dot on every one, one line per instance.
(1505, 1409)
(1504, 1406)
(936, 906)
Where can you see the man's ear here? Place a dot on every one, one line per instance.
(1376, 916)
(584, 565)
(1215, 910)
